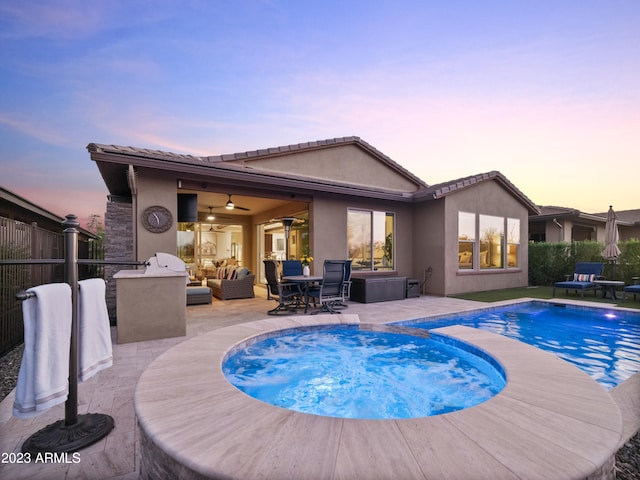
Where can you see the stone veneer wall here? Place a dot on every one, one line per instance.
(118, 245)
(155, 463)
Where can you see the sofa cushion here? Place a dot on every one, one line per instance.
(241, 272)
(198, 290)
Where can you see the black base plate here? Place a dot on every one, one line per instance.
(59, 437)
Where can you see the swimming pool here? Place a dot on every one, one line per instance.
(601, 342)
(349, 372)
(550, 421)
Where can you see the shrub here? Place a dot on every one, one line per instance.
(550, 261)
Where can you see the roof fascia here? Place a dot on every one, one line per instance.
(579, 215)
(242, 174)
(471, 181)
(507, 185)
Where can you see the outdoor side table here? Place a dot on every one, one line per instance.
(609, 286)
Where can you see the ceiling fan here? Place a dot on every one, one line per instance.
(211, 217)
(230, 205)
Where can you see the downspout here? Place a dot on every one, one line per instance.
(560, 227)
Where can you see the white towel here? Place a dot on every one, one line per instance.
(95, 332)
(43, 380)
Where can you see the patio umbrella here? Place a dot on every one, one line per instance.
(611, 250)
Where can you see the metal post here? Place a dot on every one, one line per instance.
(287, 222)
(71, 277)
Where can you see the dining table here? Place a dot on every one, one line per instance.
(304, 281)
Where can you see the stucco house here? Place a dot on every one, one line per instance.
(349, 200)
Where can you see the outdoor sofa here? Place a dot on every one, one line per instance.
(232, 282)
(582, 279)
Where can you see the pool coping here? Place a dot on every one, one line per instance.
(550, 421)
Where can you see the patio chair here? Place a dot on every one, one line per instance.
(346, 285)
(635, 289)
(288, 295)
(582, 279)
(291, 268)
(329, 293)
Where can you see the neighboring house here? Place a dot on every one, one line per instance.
(349, 201)
(560, 224)
(628, 223)
(24, 214)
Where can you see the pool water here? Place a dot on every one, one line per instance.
(346, 372)
(603, 343)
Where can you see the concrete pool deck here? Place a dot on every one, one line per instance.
(111, 391)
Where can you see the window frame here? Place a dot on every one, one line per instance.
(515, 241)
(467, 241)
(505, 245)
(370, 246)
(486, 225)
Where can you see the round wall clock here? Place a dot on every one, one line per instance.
(157, 219)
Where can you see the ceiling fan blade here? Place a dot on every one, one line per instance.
(235, 207)
(231, 206)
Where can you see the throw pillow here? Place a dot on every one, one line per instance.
(584, 277)
(231, 273)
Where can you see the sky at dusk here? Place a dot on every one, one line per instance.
(547, 92)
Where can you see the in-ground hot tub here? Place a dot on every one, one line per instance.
(352, 371)
(550, 421)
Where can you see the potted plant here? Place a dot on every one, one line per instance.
(306, 260)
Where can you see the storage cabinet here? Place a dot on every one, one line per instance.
(378, 289)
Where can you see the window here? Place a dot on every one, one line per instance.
(494, 245)
(466, 239)
(491, 238)
(370, 239)
(513, 242)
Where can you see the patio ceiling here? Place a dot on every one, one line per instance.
(255, 205)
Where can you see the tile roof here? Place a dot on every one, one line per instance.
(623, 217)
(235, 162)
(229, 159)
(629, 216)
(315, 145)
(553, 210)
(112, 158)
(264, 152)
(443, 189)
(139, 152)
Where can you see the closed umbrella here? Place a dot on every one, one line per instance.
(611, 250)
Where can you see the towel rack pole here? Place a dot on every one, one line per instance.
(71, 277)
